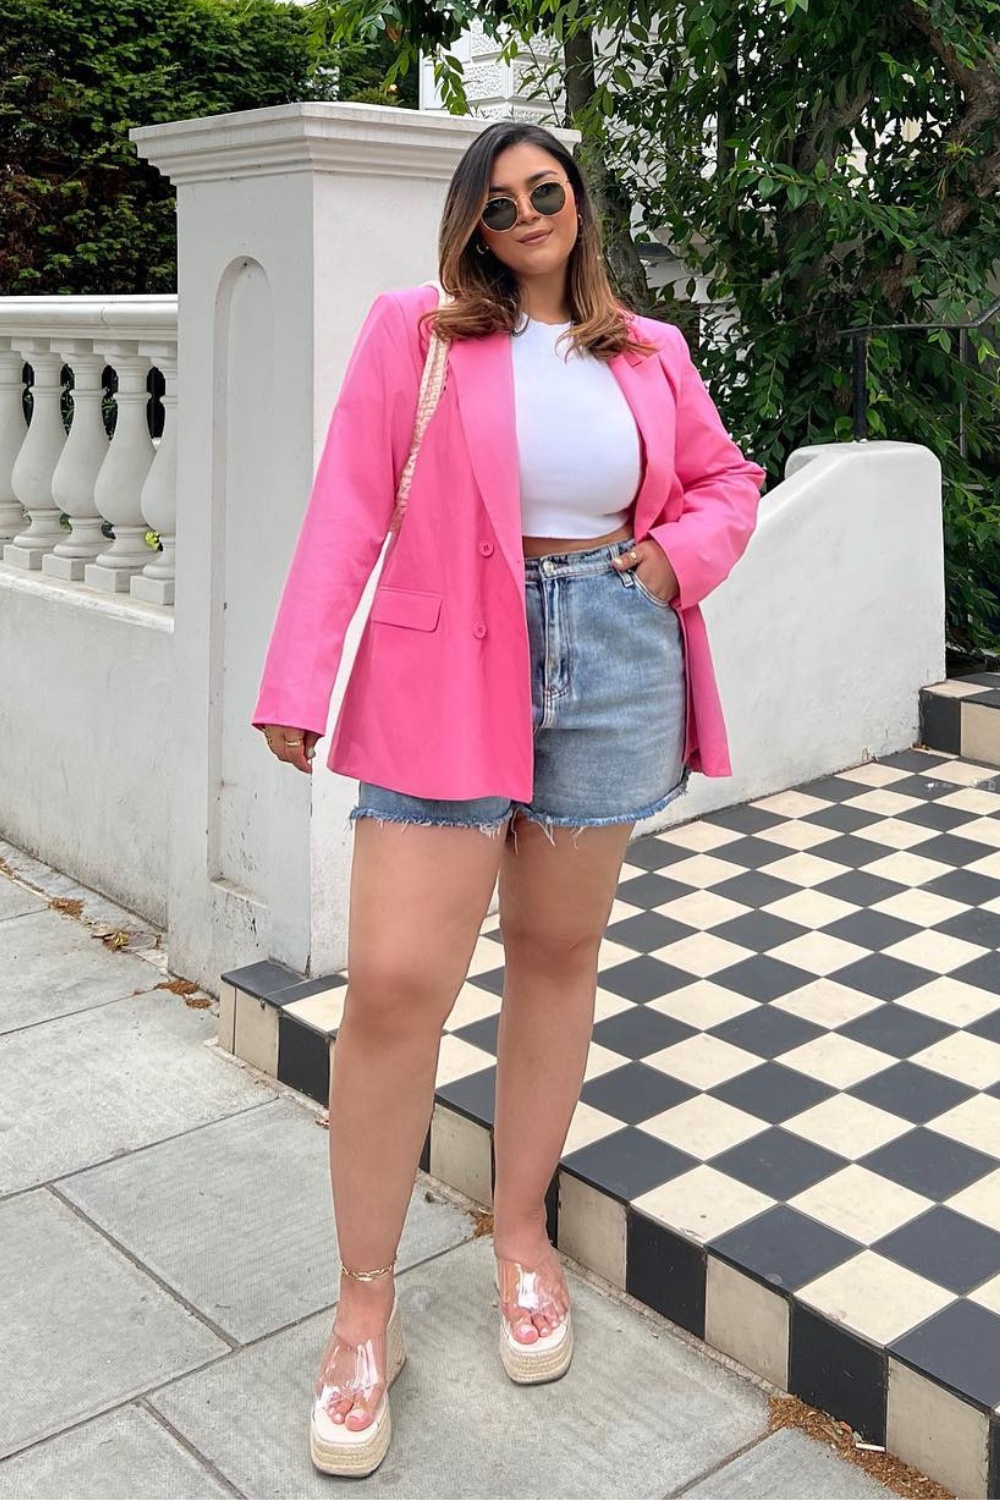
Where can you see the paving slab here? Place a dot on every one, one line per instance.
(787, 1466)
(87, 1087)
(125, 1455)
(237, 1217)
(83, 1327)
(17, 901)
(640, 1413)
(52, 965)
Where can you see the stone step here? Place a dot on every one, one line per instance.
(962, 717)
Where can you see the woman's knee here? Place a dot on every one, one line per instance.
(398, 997)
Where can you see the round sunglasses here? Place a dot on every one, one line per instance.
(501, 213)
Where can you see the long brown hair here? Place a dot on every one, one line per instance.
(486, 292)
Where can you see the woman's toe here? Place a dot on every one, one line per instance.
(358, 1418)
(525, 1331)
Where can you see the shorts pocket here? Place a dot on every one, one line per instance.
(644, 591)
(415, 608)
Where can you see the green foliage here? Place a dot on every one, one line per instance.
(823, 166)
(79, 211)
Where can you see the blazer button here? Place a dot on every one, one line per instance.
(486, 548)
(479, 629)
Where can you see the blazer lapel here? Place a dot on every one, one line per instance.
(645, 389)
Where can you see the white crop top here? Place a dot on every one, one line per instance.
(578, 446)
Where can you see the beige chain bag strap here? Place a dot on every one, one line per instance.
(431, 386)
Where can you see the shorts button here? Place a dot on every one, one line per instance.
(479, 629)
(546, 565)
(486, 548)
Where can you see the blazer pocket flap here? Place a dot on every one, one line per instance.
(413, 607)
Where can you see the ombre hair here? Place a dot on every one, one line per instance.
(486, 292)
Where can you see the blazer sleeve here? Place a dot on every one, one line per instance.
(346, 520)
(721, 488)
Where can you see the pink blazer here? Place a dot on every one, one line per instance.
(438, 702)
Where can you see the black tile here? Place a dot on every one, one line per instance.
(993, 1481)
(635, 1093)
(784, 1248)
(745, 819)
(833, 789)
(647, 930)
(755, 889)
(759, 931)
(911, 1092)
(936, 815)
(851, 850)
(913, 760)
(989, 698)
(425, 1153)
(929, 1163)
(926, 787)
(262, 979)
(973, 926)
(482, 1033)
(307, 987)
(491, 980)
(762, 978)
(946, 1247)
(884, 977)
(842, 818)
(772, 1092)
(638, 1031)
(831, 1369)
(987, 1026)
(665, 1272)
(952, 849)
(650, 890)
(871, 929)
(967, 886)
(472, 1096)
(986, 680)
(551, 1208)
(628, 1163)
(940, 721)
(861, 889)
(656, 853)
(983, 972)
(778, 1163)
(303, 1058)
(896, 1030)
(644, 978)
(751, 853)
(767, 1031)
(960, 1347)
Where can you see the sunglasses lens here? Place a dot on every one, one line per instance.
(500, 213)
(549, 197)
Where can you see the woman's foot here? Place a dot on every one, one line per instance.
(534, 1298)
(352, 1373)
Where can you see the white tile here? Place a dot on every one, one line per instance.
(805, 869)
(702, 954)
(487, 956)
(792, 804)
(975, 1123)
(987, 1295)
(611, 953)
(704, 870)
(981, 831)
(921, 908)
(936, 1432)
(907, 868)
(227, 1016)
(875, 1297)
(592, 1228)
(950, 1000)
(458, 1058)
(256, 1033)
(703, 909)
(587, 1126)
(702, 1004)
(621, 909)
(894, 833)
(848, 1126)
(964, 772)
(602, 1060)
(818, 953)
(747, 1321)
(703, 1126)
(810, 908)
(873, 774)
(323, 1012)
(826, 1003)
(703, 1203)
(954, 687)
(981, 733)
(836, 1060)
(703, 1061)
(472, 1004)
(935, 951)
(990, 866)
(860, 1203)
(970, 1059)
(702, 838)
(887, 803)
(460, 1154)
(973, 800)
(980, 1200)
(798, 835)
(607, 1004)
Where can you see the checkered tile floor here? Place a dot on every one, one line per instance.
(795, 1067)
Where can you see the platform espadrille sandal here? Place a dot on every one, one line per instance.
(356, 1372)
(523, 1292)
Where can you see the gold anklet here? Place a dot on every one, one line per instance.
(367, 1275)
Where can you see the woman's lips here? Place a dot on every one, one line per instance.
(535, 239)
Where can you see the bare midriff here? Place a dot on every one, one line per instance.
(538, 546)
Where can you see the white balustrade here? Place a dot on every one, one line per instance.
(13, 427)
(31, 477)
(122, 474)
(158, 499)
(79, 465)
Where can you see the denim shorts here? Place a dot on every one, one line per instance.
(608, 699)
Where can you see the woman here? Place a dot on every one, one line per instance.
(534, 653)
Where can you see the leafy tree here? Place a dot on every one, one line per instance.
(822, 166)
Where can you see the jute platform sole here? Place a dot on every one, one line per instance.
(336, 1449)
(546, 1359)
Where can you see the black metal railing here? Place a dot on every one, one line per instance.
(859, 364)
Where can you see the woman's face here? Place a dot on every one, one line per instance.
(537, 244)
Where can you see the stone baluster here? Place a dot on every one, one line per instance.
(123, 473)
(13, 429)
(31, 477)
(79, 464)
(158, 500)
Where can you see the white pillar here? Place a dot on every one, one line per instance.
(31, 477)
(290, 221)
(13, 430)
(158, 500)
(79, 465)
(122, 474)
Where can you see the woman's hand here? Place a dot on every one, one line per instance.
(653, 567)
(295, 746)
